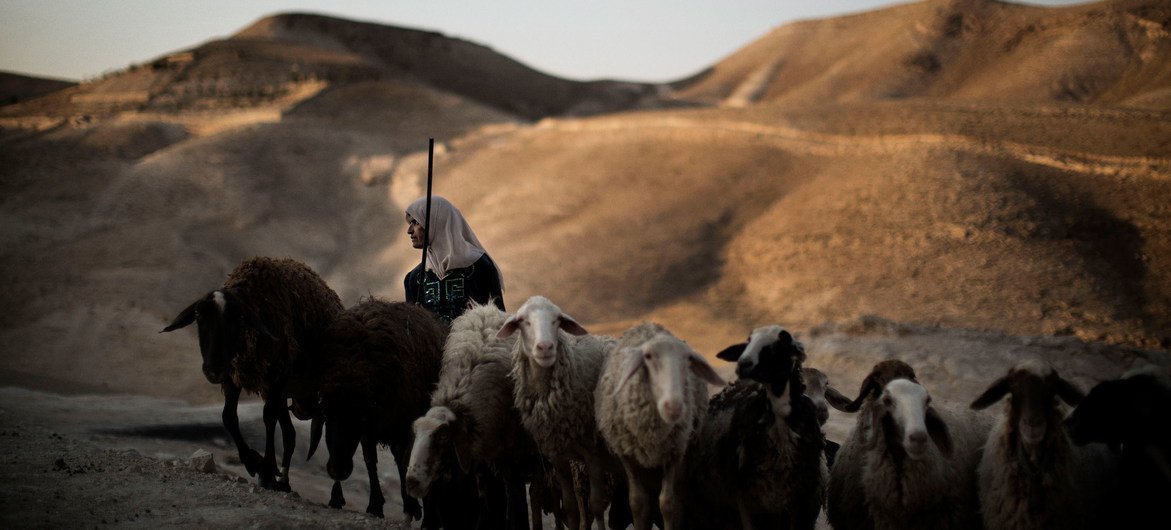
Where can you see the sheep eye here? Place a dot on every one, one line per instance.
(647, 356)
(886, 400)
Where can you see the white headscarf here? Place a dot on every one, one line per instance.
(451, 243)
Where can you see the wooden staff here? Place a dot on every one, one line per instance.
(426, 220)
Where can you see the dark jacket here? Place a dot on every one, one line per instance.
(449, 297)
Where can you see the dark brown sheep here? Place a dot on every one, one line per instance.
(383, 363)
(259, 333)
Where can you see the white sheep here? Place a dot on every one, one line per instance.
(759, 459)
(1031, 474)
(650, 398)
(556, 365)
(472, 424)
(908, 463)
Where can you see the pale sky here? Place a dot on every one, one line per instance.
(635, 40)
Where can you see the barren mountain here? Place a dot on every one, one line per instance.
(16, 87)
(1112, 53)
(958, 183)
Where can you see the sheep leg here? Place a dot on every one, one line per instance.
(288, 444)
(248, 456)
(564, 476)
(517, 505)
(274, 405)
(402, 457)
(598, 499)
(668, 503)
(370, 456)
(639, 506)
(336, 498)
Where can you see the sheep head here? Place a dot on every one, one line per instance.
(773, 358)
(221, 317)
(667, 361)
(883, 372)
(907, 419)
(539, 322)
(438, 436)
(1122, 411)
(1032, 410)
(816, 387)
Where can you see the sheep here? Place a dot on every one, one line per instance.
(1030, 475)
(472, 423)
(816, 388)
(889, 474)
(1130, 415)
(383, 361)
(555, 369)
(650, 398)
(260, 333)
(759, 458)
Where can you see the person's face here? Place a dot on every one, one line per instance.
(415, 230)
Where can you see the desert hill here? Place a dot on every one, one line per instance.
(1113, 53)
(16, 87)
(289, 57)
(843, 187)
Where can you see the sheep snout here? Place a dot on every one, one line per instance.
(916, 443)
(418, 483)
(671, 410)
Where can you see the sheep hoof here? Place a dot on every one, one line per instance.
(412, 509)
(336, 499)
(251, 460)
(376, 511)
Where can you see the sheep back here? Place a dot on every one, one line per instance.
(629, 421)
(557, 407)
(383, 359)
(474, 380)
(295, 304)
(744, 454)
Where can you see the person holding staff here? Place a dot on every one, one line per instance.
(458, 269)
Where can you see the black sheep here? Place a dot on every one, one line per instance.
(1132, 415)
(761, 451)
(259, 333)
(383, 363)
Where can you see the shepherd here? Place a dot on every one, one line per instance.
(455, 269)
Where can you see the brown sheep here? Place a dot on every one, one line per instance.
(383, 363)
(259, 333)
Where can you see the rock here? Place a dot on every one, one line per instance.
(201, 461)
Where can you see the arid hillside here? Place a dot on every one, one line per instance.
(953, 165)
(1115, 53)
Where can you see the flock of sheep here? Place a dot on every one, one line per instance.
(597, 430)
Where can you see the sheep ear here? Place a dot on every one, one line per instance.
(869, 387)
(635, 359)
(732, 353)
(509, 327)
(786, 338)
(185, 318)
(836, 399)
(704, 370)
(870, 434)
(994, 393)
(1068, 392)
(939, 432)
(570, 326)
